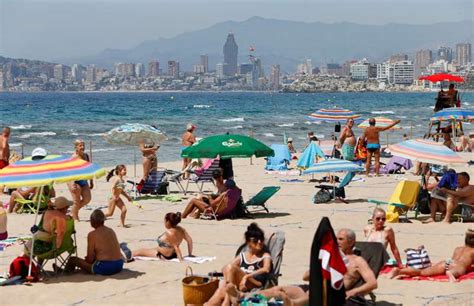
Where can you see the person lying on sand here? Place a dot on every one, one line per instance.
(168, 242)
(249, 270)
(103, 251)
(454, 267)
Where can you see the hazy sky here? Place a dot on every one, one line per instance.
(55, 29)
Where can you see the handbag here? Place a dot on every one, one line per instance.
(322, 196)
(424, 200)
(418, 258)
(198, 289)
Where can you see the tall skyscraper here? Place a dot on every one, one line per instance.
(91, 74)
(445, 53)
(275, 77)
(154, 68)
(463, 53)
(76, 72)
(422, 59)
(173, 69)
(139, 70)
(205, 62)
(59, 72)
(231, 51)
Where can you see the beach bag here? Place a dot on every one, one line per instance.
(19, 267)
(423, 201)
(240, 211)
(198, 289)
(322, 196)
(418, 258)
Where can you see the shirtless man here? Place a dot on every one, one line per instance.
(464, 194)
(454, 267)
(187, 140)
(347, 140)
(299, 295)
(373, 143)
(4, 147)
(103, 250)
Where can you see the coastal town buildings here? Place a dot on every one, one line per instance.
(422, 59)
(463, 54)
(154, 68)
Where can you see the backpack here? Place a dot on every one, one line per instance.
(19, 267)
(322, 196)
(240, 211)
(423, 201)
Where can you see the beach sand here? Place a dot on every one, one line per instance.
(291, 211)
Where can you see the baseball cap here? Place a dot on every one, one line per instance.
(38, 153)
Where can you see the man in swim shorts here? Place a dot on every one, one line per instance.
(347, 140)
(103, 250)
(371, 134)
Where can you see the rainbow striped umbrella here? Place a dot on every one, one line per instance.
(333, 115)
(426, 151)
(51, 169)
(380, 122)
(456, 114)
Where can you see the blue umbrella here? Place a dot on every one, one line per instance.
(333, 165)
(308, 156)
(453, 114)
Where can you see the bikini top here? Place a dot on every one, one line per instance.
(375, 236)
(162, 243)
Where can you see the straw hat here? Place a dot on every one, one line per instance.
(61, 203)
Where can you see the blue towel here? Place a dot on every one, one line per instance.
(449, 180)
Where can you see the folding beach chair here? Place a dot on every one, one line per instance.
(203, 175)
(221, 211)
(395, 165)
(30, 206)
(280, 160)
(261, 198)
(175, 177)
(60, 254)
(338, 192)
(155, 184)
(403, 198)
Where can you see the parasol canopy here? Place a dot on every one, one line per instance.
(426, 151)
(333, 115)
(333, 165)
(134, 133)
(381, 122)
(453, 114)
(439, 77)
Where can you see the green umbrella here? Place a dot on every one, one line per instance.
(227, 146)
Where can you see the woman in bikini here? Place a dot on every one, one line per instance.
(249, 270)
(80, 190)
(168, 242)
(149, 160)
(118, 190)
(379, 232)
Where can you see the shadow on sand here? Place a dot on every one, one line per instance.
(264, 215)
(80, 277)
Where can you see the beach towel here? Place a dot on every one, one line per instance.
(195, 260)
(436, 278)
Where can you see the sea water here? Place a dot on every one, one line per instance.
(55, 120)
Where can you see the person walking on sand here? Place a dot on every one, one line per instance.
(4, 147)
(81, 189)
(347, 140)
(187, 140)
(371, 134)
(118, 189)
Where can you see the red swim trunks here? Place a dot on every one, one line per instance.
(3, 164)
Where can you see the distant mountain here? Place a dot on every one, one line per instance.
(289, 42)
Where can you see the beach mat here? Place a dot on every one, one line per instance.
(196, 259)
(437, 278)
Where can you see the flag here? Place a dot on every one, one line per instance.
(326, 267)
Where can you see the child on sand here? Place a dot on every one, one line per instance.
(118, 189)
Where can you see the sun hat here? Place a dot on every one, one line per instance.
(190, 127)
(38, 153)
(62, 202)
(290, 139)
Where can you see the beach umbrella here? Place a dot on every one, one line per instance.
(439, 77)
(49, 170)
(426, 151)
(308, 157)
(227, 146)
(335, 115)
(333, 165)
(453, 114)
(134, 133)
(380, 122)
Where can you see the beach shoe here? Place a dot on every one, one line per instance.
(126, 252)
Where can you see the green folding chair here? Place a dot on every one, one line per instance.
(257, 202)
(30, 206)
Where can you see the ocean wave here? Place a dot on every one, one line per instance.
(21, 127)
(234, 127)
(319, 135)
(39, 134)
(202, 106)
(382, 112)
(17, 144)
(401, 117)
(93, 150)
(285, 124)
(307, 122)
(95, 134)
(239, 119)
(268, 135)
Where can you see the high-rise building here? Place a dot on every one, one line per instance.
(398, 58)
(205, 62)
(401, 73)
(173, 69)
(154, 68)
(139, 70)
(245, 68)
(125, 69)
(463, 54)
(309, 66)
(59, 72)
(275, 77)
(221, 69)
(91, 74)
(360, 70)
(445, 54)
(231, 52)
(422, 59)
(198, 69)
(76, 72)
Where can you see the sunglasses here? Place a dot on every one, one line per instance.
(255, 240)
(380, 219)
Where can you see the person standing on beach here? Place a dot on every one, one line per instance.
(371, 134)
(4, 147)
(347, 140)
(80, 190)
(187, 140)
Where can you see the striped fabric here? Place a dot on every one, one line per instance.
(51, 169)
(418, 258)
(458, 114)
(333, 165)
(426, 151)
(155, 179)
(333, 115)
(206, 175)
(380, 122)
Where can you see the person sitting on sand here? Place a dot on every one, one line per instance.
(347, 140)
(103, 251)
(27, 193)
(168, 242)
(197, 206)
(3, 223)
(454, 267)
(249, 270)
(464, 194)
(379, 232)
(81, 189)
(448, 142)
(371, 133)
(118, 189)
(149, 160)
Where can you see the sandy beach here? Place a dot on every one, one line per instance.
(291, 211)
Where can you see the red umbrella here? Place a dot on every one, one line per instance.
(439, 77)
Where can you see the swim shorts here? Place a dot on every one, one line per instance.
(107, 267)
(3, 163)
(81, 183)
(372, 147)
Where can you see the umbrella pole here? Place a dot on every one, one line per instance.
(135, 173)
(411, 129)
(453, 127)
(38, 197)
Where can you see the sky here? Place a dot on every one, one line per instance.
(58, 29)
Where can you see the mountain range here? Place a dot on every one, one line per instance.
(289, 42)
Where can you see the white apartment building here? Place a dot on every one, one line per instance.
(438, 67)
(360, 70)
(396, 73)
